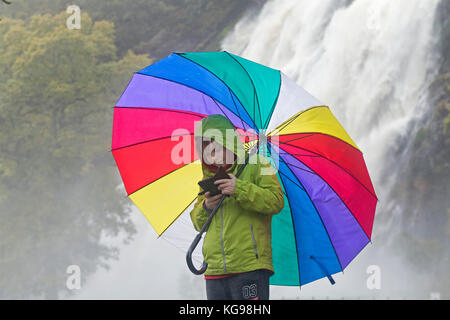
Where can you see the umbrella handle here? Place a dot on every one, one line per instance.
(191, 249)
(198, 237)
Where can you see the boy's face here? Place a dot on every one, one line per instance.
(215, 154)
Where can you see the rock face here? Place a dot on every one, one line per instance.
(423, 191)
(429, 166)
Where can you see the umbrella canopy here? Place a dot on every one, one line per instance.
(329, 198)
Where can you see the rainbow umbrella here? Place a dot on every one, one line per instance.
(329, 198)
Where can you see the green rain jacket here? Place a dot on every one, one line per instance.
(239, 236)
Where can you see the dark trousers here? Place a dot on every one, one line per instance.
(253, 285)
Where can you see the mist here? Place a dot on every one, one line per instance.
(372, 62)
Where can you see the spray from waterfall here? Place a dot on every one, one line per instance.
(372, 62)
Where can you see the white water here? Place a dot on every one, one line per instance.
(369, 61)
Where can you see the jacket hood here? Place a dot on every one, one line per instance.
(220, 129)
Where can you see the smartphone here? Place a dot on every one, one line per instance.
(208, 183)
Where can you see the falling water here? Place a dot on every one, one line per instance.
(371, 62)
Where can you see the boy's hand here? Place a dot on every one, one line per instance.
(211, 201)
(226, 186)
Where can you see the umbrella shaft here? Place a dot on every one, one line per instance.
(199, 235)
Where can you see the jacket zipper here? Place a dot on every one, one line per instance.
(221, 239)
(254, 241)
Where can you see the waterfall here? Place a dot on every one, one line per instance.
(372, 63)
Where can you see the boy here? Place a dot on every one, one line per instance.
(237, 245)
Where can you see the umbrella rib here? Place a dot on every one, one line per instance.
(165, 175)
(273, 105)
(128, 85)
(319, 155)
(317, 211)
(243, 127)
(316, 132)
(176, 218)
(253, 84)
(292, 118)
(331, 189)
(150, 140)
(191, 113)
(291, 181)
(287, 176)
(293, 224)
(292, 218)
(239, 115)
(309, 135)
(254, 107)
(242, 122)
(159, 109)
(296, 247)
(290, 164)
(254, 125)
(301, 154)
(196, 89)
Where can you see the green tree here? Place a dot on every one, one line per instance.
(58, 195)
(156, 27)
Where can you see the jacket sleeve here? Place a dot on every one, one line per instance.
(265, 195)
(199, 213)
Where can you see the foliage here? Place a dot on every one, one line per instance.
(58, 196)
(156, 27)
(57, 176)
